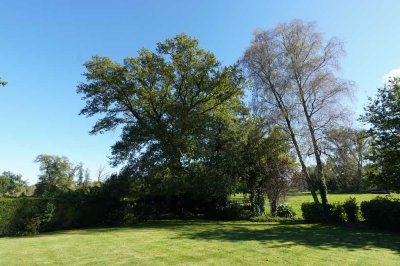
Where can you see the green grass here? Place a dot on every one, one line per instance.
(206, 242)
(296, 199)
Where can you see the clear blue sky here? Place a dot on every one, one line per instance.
(43, 45)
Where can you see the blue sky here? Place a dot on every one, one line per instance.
(43, 45)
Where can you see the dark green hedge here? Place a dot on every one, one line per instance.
(19, 216)
(382, 212)
(315, 213)
(27, 215)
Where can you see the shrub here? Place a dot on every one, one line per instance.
(335, 214)
(24, 216)
(230, 211)
(285, 211)
(312, 212)
(315, 213)
(383, 212)
(351, 209)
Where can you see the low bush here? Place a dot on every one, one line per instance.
(312, 212)
(382, 212)
(315, 213)
(285, 211)
(351, 209)
(335, 214)
(230, 211)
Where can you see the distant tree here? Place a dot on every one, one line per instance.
(57, 174)
(82, 175)
(2, 82)
(102, 173)
(347, 150)
(383, 115)
(294, 77)
(11, 184)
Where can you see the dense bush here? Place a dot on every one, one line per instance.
(312, 212)
(24, 216)
(351, 209)
(285, 211)
(229, 211)
(334, 213)
(383, 212)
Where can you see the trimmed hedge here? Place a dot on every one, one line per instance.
(28, 215)
(21, 216)
(382, 212)
(315, 213)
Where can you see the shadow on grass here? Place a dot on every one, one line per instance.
(313, 235)
(271, 234)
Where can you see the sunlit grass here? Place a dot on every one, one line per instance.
(205, 242)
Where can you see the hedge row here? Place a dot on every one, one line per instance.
(26, 215)
(382, 212)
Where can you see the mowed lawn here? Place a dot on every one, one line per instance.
(206, 242)
(210, 242)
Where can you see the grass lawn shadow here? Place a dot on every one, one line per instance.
(315, 235)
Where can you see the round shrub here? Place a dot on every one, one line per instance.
(383, 212)
(284, 210)
(351, 209)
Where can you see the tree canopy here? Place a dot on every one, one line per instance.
(174, 106)
(383, 115)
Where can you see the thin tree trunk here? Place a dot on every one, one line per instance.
(323, 190)
(296, 146)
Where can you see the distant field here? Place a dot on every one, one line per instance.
(206, 243)
(296, 199)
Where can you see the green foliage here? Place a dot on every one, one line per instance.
(230, 211)
(383, 115)
(2, 83)
(24, 216)
(347, 151)
(383, 212)
(179, 111)
(312, 212)
(11, 184)
(351, 209)
(267, 166)
(333, 213)
(285, 211)
(57, 175)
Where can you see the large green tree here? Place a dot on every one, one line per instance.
(174, 106)
(383, 115)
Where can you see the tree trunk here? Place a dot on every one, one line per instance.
(296, 146)
(323, 190)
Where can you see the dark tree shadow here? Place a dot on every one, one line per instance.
(315, 235)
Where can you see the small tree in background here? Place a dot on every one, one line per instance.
(11, 184)
(57, 174)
